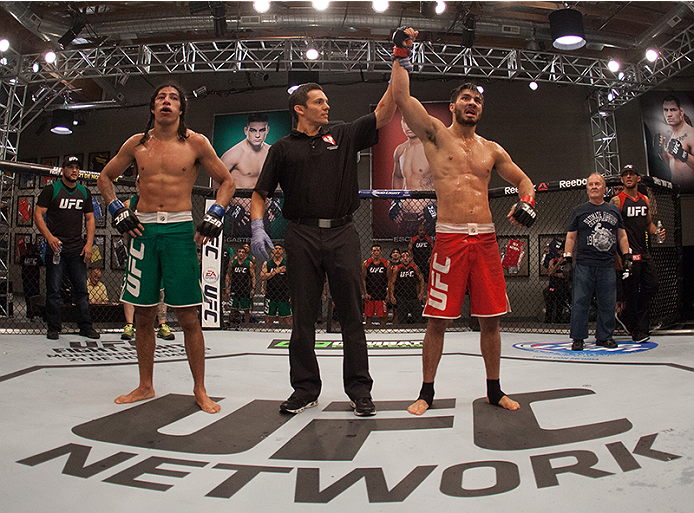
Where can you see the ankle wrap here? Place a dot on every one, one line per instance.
(427, 393)
(494, 393)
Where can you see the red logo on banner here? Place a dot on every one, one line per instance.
(542, 187)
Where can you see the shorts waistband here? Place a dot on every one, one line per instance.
(468, 228)
(164, 217)
(323, 223)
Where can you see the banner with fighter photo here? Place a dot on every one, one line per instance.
(242, 142)
(667, 119)
(399, 163)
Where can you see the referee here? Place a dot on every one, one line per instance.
(316, 167)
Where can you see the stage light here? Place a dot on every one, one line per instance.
(4, 45)
(621, 75)
(566, 27)
(480, 89)
(62, 122)
(77, 26)
(533, 85)
(613, 65)
(35, 67)
(320, 5)
(312, 52)
(469, 31)
(440, 7)
(200, 92)
(261, 6)
(50, 56)
(652, 54)
(380, 5)
(610, 97)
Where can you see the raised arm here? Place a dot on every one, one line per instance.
(416, 116)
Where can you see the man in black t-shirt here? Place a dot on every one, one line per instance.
(65, 203)
(316, 167)
(406, 288)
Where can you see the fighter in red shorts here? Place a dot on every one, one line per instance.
(465, 253)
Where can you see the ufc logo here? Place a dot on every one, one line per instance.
(67, 204)
(637, 211)
(377, 270)
(438, 296)
(120, 217)
(134, 274)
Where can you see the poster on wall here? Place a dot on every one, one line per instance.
(242, 142)
(399, 163)
(669, 136)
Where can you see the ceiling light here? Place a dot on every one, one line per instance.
(261, 6)
(4, 45)
(77, 26)
(613, 65)
(312, 52)
(621, 75)
(440, 7)
(610, 97)
(566, 27)
(35, 67)
(380, 5)
(652, 54)
(50, 56)
(533, 85)
(480, 89)
(320, 5)
(62, 122)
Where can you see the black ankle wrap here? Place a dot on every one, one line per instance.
(427, 393)
(494, 393)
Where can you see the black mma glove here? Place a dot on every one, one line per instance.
(524, 211)
(430, 212)
(238, 215)
(676, 149)
(212, 222)
(395, 209)
(124, 219)
(273, 209)
(402, 53)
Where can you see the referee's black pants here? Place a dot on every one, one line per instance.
(639, 290)
(312, 253)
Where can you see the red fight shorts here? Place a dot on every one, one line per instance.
(461, 261)
(377, 308)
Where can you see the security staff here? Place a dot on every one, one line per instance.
(316, 167)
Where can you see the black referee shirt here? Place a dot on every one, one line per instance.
(318, 174)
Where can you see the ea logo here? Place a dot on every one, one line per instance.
(210, 276)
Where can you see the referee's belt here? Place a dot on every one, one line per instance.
(324, 223)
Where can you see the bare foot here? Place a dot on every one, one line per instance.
(418, 407)
(138, 394)
(507, 403)
(206, 404)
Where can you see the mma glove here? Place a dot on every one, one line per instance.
(123, 219)
(260, 239)
(524, 211)
(238, 215)
(676, 149)
(395, 209)
(430, 212)
(401, 53)
(212, 222)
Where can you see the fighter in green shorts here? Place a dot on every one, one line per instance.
(164, 256)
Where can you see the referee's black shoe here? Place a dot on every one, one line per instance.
(296, 404)
(89, 333)
(363, 407)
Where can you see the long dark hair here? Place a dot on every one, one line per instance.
(182, 128)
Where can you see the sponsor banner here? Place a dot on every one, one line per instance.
(212, 280)
(337, 344)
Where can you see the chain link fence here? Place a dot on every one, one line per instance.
(539, 295)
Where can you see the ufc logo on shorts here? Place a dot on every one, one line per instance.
(67, 204)
(134, 274)
(438, 296)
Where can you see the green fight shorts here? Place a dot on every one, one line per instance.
(240, 303)
(281, 308)
(163, 257)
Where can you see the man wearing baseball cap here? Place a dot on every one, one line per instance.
(642, 283)
(65, 203)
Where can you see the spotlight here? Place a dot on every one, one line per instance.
(62, 122)
(652, 54)
(480, 89)
(610, 97)
(261, 6)
(613, 65)
(200, 92)
(312, 52)
(380, 5)
(566, 27)
(320, 5)
(35, 67)
(77, 26)
(440, 7)
(4, 45)
(621, 75)
(533, 85)
(469, 31)
(50, 56)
